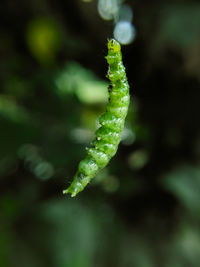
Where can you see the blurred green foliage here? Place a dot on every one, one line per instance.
(143, 209)
(43, 39)
(74, 79)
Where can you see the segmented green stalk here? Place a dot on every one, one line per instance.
(108, 136)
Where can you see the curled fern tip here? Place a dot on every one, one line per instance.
(108, 136)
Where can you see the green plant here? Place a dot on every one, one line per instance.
(108, 136)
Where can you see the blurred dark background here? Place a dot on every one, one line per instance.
(143, 209)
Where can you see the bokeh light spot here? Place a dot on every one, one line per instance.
(43, 39)
(138, 159)
(124, 32)
(125, 13)
(108, 8)
(44, 170)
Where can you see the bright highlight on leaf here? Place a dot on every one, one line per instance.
(108, 136)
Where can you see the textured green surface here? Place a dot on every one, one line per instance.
(111, 123)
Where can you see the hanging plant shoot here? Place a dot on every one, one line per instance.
(108, 136)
